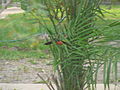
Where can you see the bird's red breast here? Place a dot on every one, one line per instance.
(59, 43)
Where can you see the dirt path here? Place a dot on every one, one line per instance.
(24, 70)
(11, 10)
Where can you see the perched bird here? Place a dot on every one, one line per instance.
(59, 42)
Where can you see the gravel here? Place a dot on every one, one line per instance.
(24, 71)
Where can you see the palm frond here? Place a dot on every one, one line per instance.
(79, 58)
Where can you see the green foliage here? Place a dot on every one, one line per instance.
(19, 34)
(113, 0)
(25, 4)
(16, 0)
(6, 54)
(79, 59)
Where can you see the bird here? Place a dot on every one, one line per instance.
(58, 42)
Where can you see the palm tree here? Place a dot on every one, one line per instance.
(73, 36)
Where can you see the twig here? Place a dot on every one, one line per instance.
(44, 81)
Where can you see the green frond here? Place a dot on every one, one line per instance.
(83, 53)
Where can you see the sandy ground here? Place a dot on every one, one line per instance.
(12, 10)
(44, 87)
(24, 71)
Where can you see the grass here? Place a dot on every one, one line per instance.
(32, 61)
(20, 26)
(114, 12)
(110, 15)
(16, 55)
